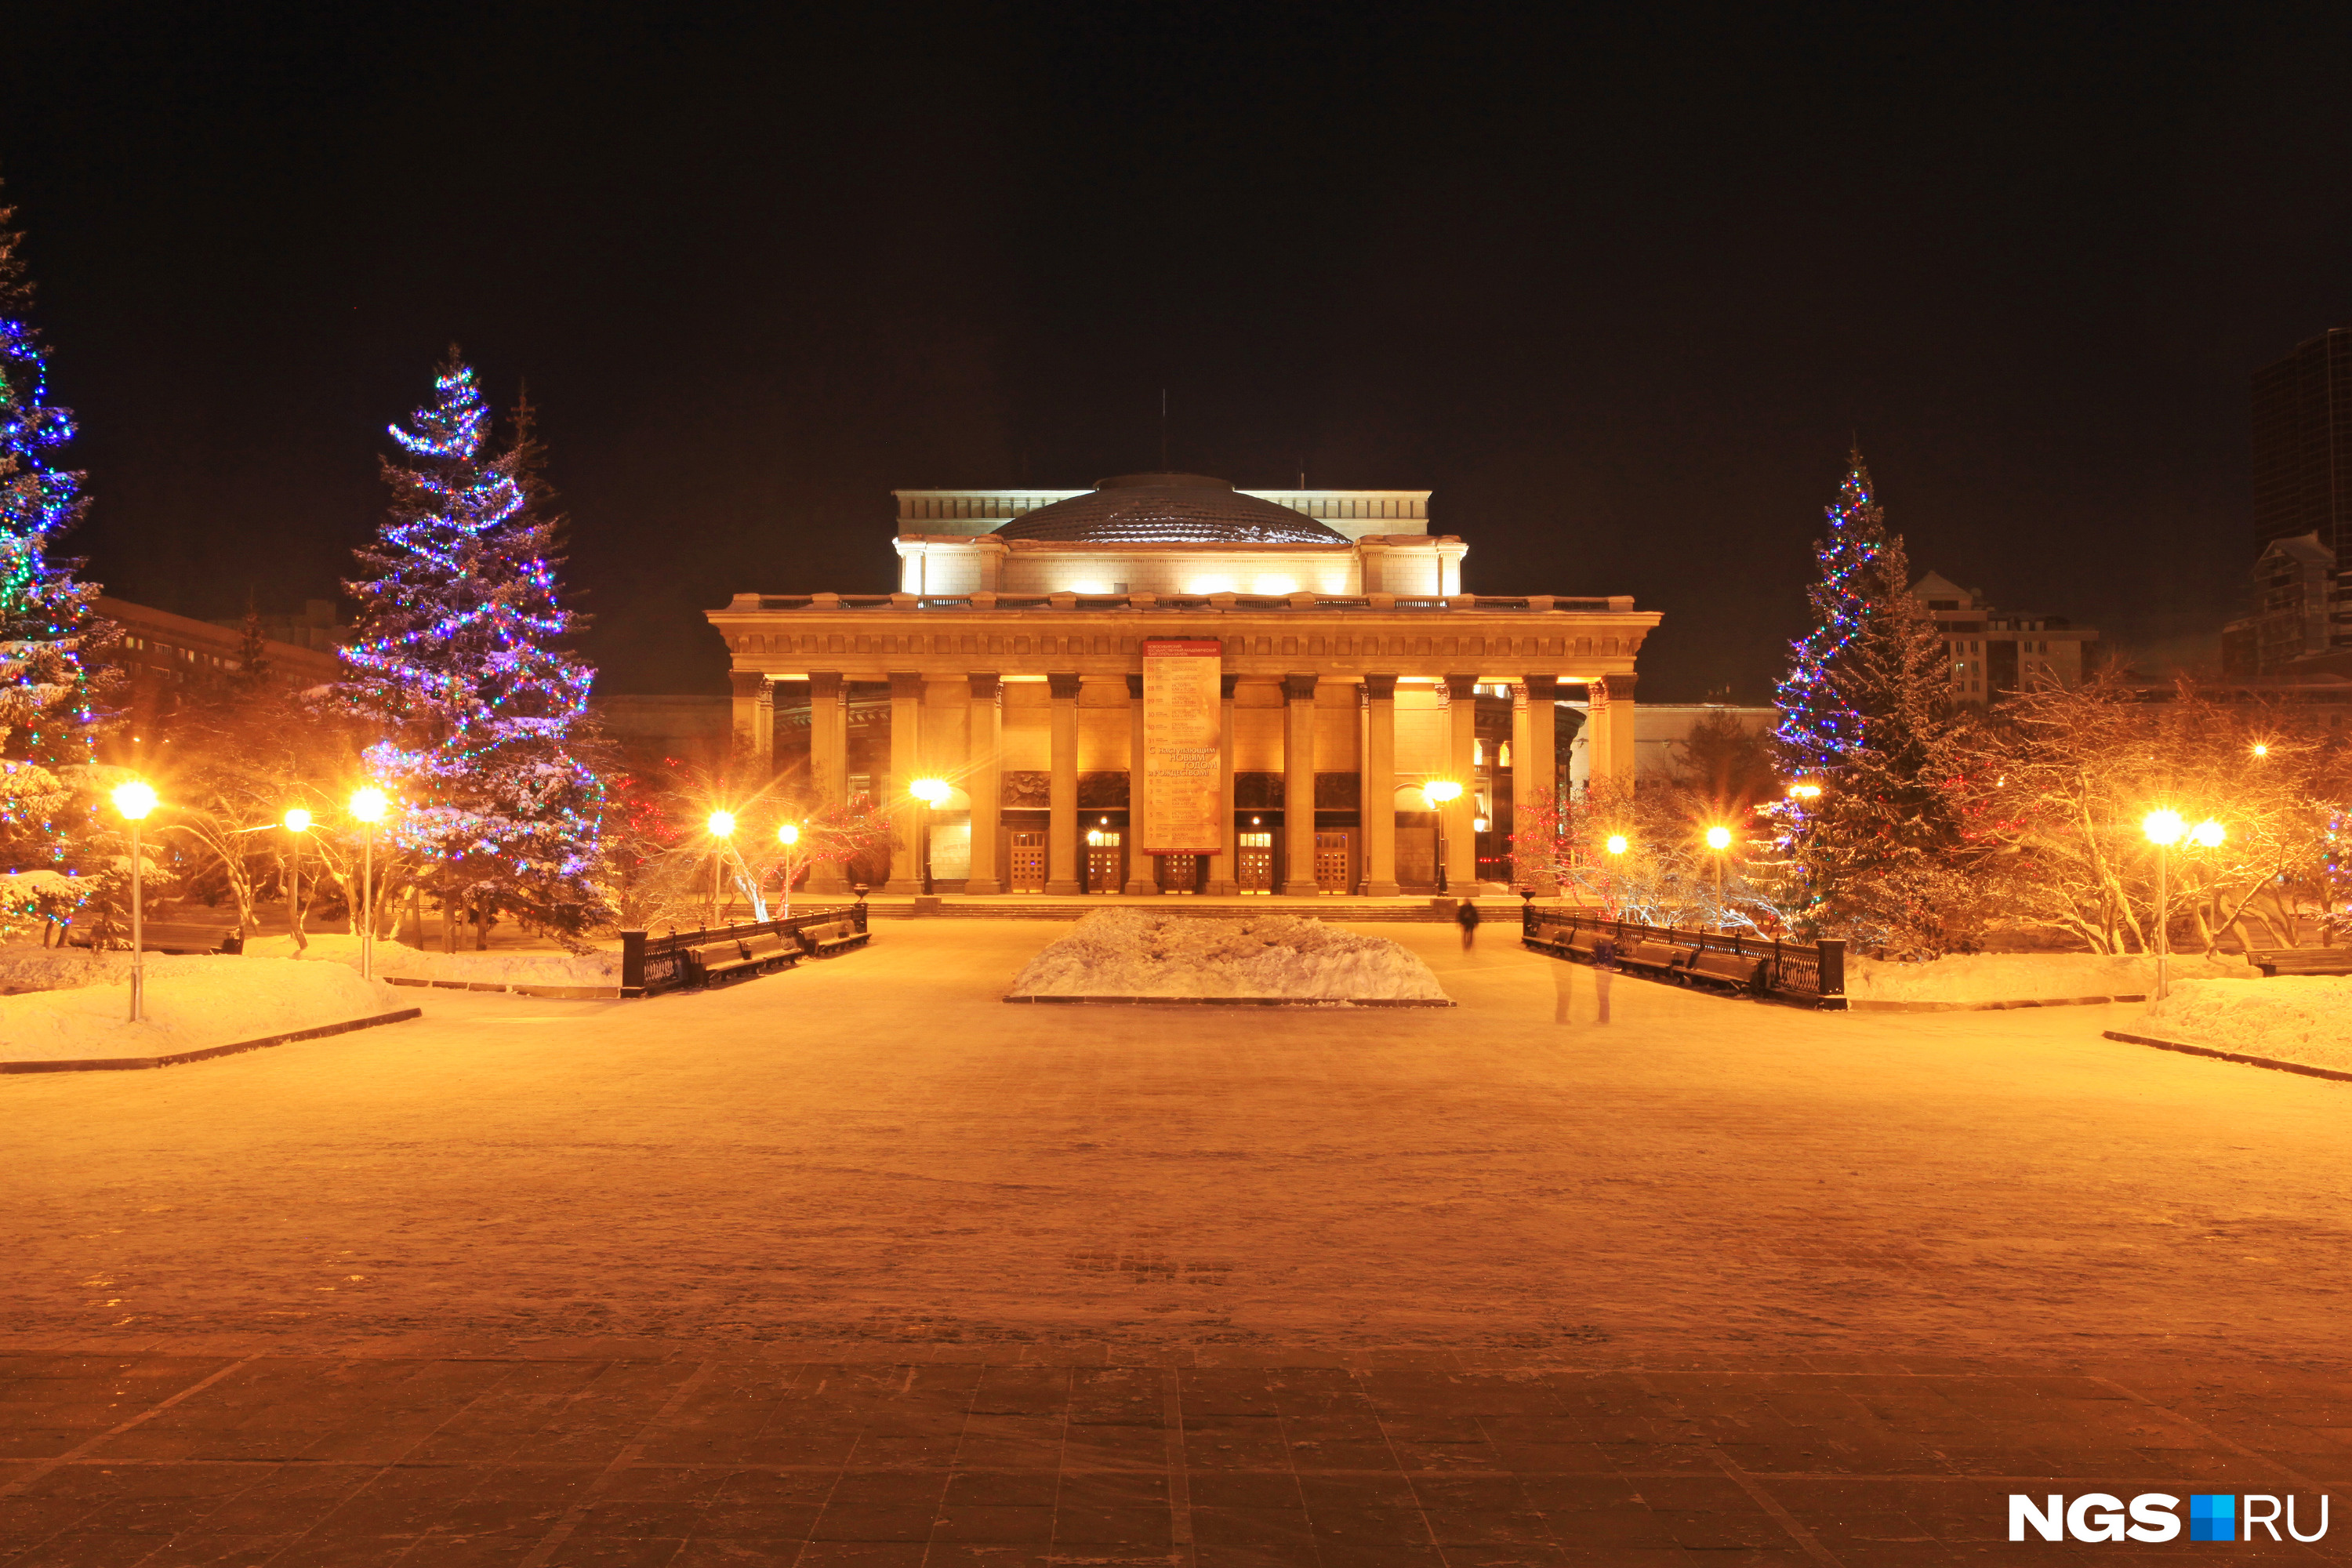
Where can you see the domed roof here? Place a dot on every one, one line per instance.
(1168, 508)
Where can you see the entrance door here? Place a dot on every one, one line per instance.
(1333, 861)
(1028, 870)
(1104, 863)
(1253, 869)
(1178, 873)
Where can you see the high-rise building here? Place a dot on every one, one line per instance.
(2302, 515)
(2303, 445)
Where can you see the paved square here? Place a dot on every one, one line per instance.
(860, 1262)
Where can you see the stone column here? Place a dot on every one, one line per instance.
(1142, 870)
(984, 780)
(1298, 786)
(1535, 783)
(906, 767)
(1062, 797)
(1612, 729)
(755, 720)
(1224, 879)
(1462, 736)
(828, 764)
(1379, 788)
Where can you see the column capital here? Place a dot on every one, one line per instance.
(748, 683)
(1225, 684)
(1298, 689)
(986, 687)
(1062, 688)
(1135, 688)
(906, 683)
(1618, 688)
(1381, 688)
(1461, 688)
(826, 685)
(1542, 688)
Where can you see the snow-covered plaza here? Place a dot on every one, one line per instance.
(832, 1254)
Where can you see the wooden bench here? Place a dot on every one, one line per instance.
(718, 961)
(1731, 969)
(770, 951)
(1658, 957)
(824, 941)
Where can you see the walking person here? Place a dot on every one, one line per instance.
(1604, 969)
(1466, 916)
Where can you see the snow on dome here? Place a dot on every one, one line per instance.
(1168, 508)
(1131, 952)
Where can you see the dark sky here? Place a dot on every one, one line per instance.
(1617, 289)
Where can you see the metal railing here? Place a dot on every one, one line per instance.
(1800, 971)
(651, 963)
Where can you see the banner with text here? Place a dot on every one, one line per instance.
(1181, 742)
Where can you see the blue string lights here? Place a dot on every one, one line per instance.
(1818, 726)
(456, 659)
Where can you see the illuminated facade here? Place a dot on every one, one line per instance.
(1352, 667)
(1994, 652)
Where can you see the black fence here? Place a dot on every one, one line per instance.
(650, 964)
(1813, 973)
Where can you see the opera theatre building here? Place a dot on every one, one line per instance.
(1164, 685)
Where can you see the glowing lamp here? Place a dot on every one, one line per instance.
(297, 821)
(2163, 826)
(134, 800)
(1437, 792)
(1477, 825)
(1803, 791)
(1719, 839)
(2261, 750)
(1617, 844)
(721, 824)
(369, 804)
(2207, 835)
(788, 834)
(930, 792)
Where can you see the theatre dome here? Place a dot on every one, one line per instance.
(1168, 509)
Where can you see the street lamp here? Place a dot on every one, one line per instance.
(722, 827)
(134, 801)
(1438, 793)
(2164, 829)
(367, 805)
(298, 823)
(930, 792)
(788, 834)
(1616, 844)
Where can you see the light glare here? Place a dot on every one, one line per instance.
(368, 804)
(134, 800)
(721, 824)
(2163, 826)
(298, 820)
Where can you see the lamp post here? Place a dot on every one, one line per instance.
(1616, 844)
(930, 792)
(1719, 839)
(367, 809)
(2164, 829)
(1438, 793)
(788, 836)
(722, 828)
(134, 801)
(298, 823)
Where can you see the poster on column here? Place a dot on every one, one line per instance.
(1180, 746)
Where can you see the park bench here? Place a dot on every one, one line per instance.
(769, 951)
(1730, 969)
(1657, 957)
(824, 941)
(718, 961)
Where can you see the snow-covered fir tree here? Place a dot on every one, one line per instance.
(1879, 854)
(459, 659)
(55, 851)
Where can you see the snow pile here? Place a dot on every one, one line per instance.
(2030, 976)
(191, 1002)
(493, 968)
(2296, 1019)
(1133, 952)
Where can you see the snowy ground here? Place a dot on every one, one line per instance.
(1127, 952)
(2296, 1019)
(495, 967)
(191, 1002)
(878, 1149)
(2030, 976)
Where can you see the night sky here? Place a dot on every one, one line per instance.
(1619, 291)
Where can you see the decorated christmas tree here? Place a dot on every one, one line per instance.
(1872, 831)
(55, 851)
(459, 660)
